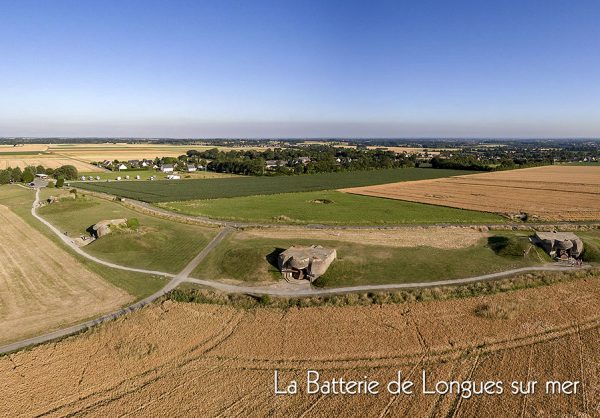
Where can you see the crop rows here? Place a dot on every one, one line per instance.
(170, 190)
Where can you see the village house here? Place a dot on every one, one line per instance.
(191, 168)
(167, 168)
(122, 167)
(302, 160)
(270, 164)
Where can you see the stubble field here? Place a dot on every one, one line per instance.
(177, 359)
(552, 193)
(42, 287)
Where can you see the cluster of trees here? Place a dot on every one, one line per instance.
(16, 175)
(470, 162)
(298, 160)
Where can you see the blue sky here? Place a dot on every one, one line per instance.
(300, 69)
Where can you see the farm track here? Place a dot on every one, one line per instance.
(183, 276)
(150, 209)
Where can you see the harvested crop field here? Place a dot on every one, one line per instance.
(46, 160)
(435, 237)
(42, 287)
(553, 193)
(177, 359)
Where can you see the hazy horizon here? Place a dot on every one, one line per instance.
(272, 69)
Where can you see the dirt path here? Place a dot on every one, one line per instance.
(265, 290)
(173, 283)
(294, 290)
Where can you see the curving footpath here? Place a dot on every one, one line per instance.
(172, 284)
(183, 276)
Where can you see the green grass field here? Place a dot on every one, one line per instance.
(17, 153)
(138, 285)
(158, 244)
(169, 190)
(327, 207)
(254, 260)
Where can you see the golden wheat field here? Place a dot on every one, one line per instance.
(42, 287)
(178, 359)
(554, 193)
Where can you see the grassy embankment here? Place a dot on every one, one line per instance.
(157, 244)
(139, 285)
(255, 260)
(328, 207)
(173, 190)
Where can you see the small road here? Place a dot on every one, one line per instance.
(172, 284)
(79, 251)
(183, 276)
(302, 290)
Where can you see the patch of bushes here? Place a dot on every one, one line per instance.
(133, 223)
(496, 310)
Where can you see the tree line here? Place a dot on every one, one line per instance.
(298, 160)
(26, 175)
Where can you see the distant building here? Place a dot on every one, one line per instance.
(122, 167)
(191, 168)
(302, 160)
(167, 168)
(42, 176)
(274, 163)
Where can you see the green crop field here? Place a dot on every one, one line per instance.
(158, 244)
(327, 207)
(256, 260)
(17, 153)
(172, 190)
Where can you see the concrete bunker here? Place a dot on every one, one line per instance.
(562, 245)
(305, 263)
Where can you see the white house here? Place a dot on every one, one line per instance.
(167, 168)
(122, 167)
(191, 168)
(42, 176)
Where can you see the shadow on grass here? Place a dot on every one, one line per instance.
(498, 243)
(273, 257)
